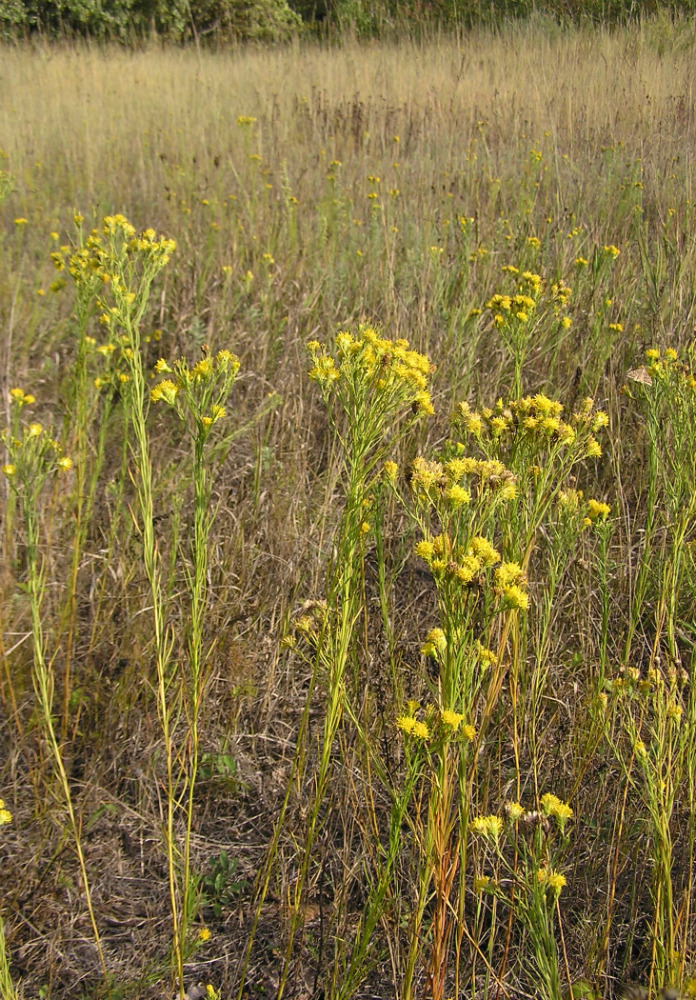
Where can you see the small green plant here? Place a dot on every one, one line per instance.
(220, 886)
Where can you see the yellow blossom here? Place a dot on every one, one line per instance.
(166, 390)
(458, 496)
(515, 597)
(451, 719)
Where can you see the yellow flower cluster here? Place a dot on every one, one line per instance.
(431, 480)
(490, 827)
(462, 564)
(551, 880)
(202, 387)
(412, 727)
(33, 455)
(435, 643)
(106, 252)
(20, 398)
(536, 419)
(374, 364)
(665, 367)
(553, 807)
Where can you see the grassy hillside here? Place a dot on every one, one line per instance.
(283, 719)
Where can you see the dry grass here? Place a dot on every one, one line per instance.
(451, 126)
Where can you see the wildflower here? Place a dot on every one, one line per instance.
(65, 463)
(166, 390)
(161, 366)
(391, 471)
(484, 551)
(5, 814)
(551, 805)
(405, 723)
(482, 883)
(21, 222)
(420, 731)
(426, 474)
(468, 732)
(325, 370)
(507, 574)
(514, 810)
(515, 597)
(425, 550)
(489, 827)
(597, 511)
(35, 430)
(551, 879)
(594, 449)
(616, 327)
(487, 657)
(566, 322)
(612, 251)
(9, 470)
(458, 496)
(435, 642)
(451, 719)
(243, 120)
(423, 403)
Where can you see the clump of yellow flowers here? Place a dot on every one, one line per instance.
(33, 454)
(366, 365)
(197, 391)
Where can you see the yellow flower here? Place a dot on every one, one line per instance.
(594, 449)
(612, 251)
(551, 805)
(420, 731)
(35, 430)
(65, 463)
(5, 814)
(451, 719)
(425, 550)
(597, 511)
(555, 882)
(458, 496)
(468, 732)
(9, 470)
(391, 471)
(21, 222)
(489, 827)
(204, 934)
(507, 574)
(426, 474)
(515, 597)
(166, 390)
(484, 551)
(405, 723)
(515, 811)
(438, 639)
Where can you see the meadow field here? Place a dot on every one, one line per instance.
(348, 571)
